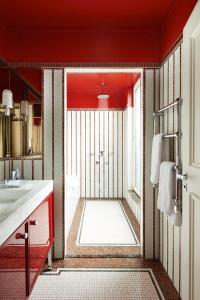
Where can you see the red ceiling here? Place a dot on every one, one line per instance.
(82, 89)
(173, 24)
(91, 30)
(72, 13)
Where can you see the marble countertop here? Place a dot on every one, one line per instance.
(17, 204)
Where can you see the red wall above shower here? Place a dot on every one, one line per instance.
(82, 89)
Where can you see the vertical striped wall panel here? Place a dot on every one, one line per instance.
(148, 188)
(58, 162)
(54, 149)
(170, 236)
(48, 126)
(30, 169)
(37, 169)
(156, 238)
(90, 132)
(1, 170)
(156, 217)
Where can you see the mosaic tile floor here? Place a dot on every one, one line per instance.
(161, 276)
(105, 223)
(74, 250)
(98, 284)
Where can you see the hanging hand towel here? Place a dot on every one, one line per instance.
(156, 157)
(175, 219)
(167, 186)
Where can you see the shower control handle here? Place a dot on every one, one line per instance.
(97, 162)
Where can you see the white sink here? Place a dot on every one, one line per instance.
(17, 203)
(11, 195)
(8, 200)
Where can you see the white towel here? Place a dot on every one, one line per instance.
(175, 219)
(167, 187)
(156, 157)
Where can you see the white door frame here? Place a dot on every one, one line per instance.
(190, 245)
(108, 70)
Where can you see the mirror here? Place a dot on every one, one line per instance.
(20, 112)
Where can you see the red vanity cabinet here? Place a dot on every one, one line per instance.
(24, 253)
(40, 238)
(14, 265)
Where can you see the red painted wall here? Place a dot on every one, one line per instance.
(82, 89)
(130, 97)
(119, 101)
(32, 77)
(89, 101)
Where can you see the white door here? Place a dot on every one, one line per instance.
(190, 271)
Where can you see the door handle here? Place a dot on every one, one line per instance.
(21, 236)
(34, 222)
(183, 177)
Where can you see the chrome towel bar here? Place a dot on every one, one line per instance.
(160, 111)
(177, 135)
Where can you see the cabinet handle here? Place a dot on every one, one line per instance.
(34, 222)
(21, 236)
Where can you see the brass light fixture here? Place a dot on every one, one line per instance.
(25, 115)
(7, 102)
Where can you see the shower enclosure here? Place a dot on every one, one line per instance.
(95, 151)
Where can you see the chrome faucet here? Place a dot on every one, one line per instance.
(16, 174)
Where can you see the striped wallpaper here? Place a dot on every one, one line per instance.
(30, 169)
(170, 236)
(54, 148)
(55, 145)
(95, 151)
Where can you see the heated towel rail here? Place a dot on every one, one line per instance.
(159, 115)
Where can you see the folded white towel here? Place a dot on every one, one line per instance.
(156, 157)
(167, 187)
(175, 219)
